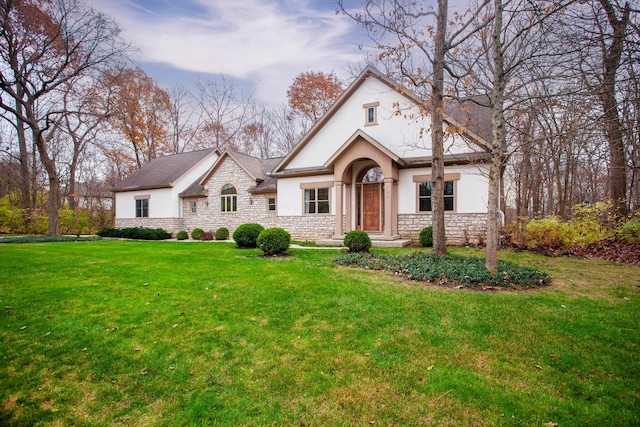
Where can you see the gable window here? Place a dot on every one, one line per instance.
(193, 207)
(271, 204)
(142, 208)
(371, 114)
(424, 196)
(228, 199)
(316, 200)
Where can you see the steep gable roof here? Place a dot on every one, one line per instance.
(255, 167)
(163, 172)
(470, 119)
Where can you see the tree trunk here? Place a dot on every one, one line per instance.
(612, 125)
(437, 135)
(497, 144)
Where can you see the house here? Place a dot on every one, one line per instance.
(151, 196)
(366, 164)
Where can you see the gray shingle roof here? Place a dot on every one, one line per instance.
(162, 172)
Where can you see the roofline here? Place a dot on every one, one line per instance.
(153, 187)
(362, 134)
(214, 166)
(370, 71)
(299, 172)
(449, 159)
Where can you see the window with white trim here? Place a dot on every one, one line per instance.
(316, 200)
(228, 199)
(424, 196)
(193, 206)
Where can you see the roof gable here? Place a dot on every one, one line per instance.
(469, 119)
(257, 169)
(163, 172)
(359, 134)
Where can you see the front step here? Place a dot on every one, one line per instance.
(376, 242)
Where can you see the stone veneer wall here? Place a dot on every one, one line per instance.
(307, 227)
(250, 207)
(171, 225)
(461, 229)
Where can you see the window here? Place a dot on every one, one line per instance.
(142, 208)
(271, 203)
(316, 200)
(371, 114)
(228, 199)
(424, 196)
(193, 206)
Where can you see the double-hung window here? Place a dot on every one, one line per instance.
(316, 200)
(194, 206)
(142, 208)
(371, 113)
(424, 196)
(228, 199)
(271, 204)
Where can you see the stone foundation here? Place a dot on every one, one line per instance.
(307, 228)
(460, 229)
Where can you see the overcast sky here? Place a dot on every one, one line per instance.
(262, 44)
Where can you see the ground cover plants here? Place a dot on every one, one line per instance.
(450, 270)
(116, 332)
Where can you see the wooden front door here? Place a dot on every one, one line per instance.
(371, 206)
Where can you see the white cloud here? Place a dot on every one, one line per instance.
(259, 40)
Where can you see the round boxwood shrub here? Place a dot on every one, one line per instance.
(273, 241)
(222, 233)
(182, 235)
(426, 236)
(197, 233)
(357, 241)
(246, 235)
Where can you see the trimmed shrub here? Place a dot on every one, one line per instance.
(182, 235)
(357, 241)
(139, 233)
(426, 237)
(246, 235)
(207, 235)
(222, 233)
(197, 233)
(273, 241)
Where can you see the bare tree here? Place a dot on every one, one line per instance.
(415, 40)
(224, 112)
(45, 44)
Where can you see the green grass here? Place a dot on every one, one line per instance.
(166, 333)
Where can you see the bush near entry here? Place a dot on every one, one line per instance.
(357, 241)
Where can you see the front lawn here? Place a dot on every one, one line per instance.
(169, 333)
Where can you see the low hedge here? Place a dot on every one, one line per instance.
(182, 235)
(197, 233)
(222, 233)
(139, 233)
(450, 270)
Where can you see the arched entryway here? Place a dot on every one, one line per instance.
(370, 199)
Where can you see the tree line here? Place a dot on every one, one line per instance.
(560, 78)
(77, 115)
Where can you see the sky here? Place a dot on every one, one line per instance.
(259, 45)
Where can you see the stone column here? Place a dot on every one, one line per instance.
(389, 192)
